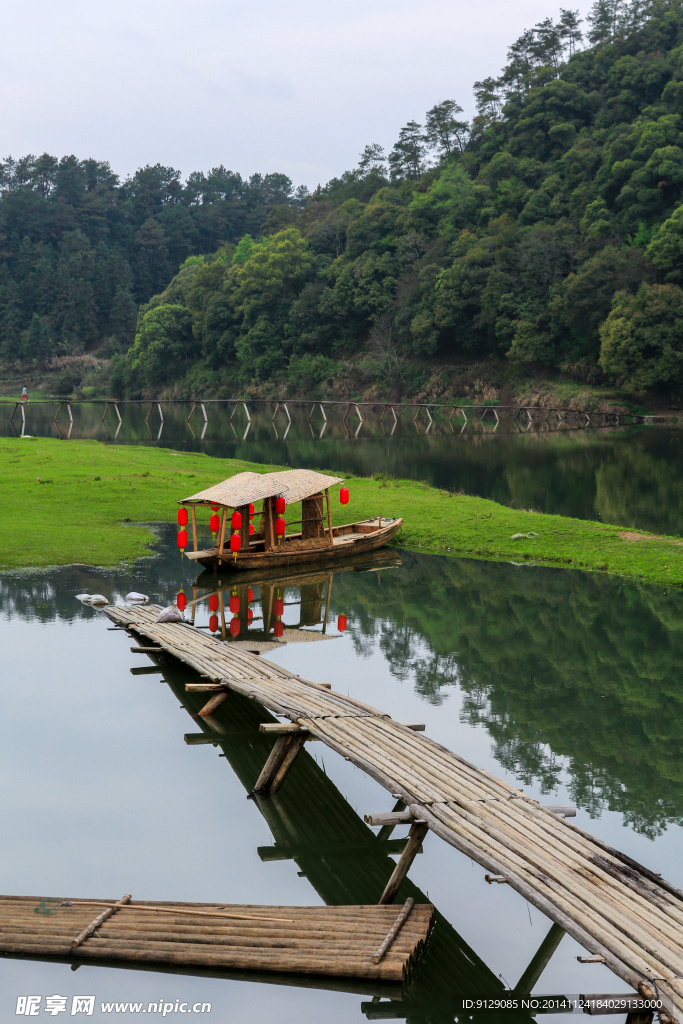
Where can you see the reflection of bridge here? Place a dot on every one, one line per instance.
(423, 415)
(345, 862)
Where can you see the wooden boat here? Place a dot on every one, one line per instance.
(317, 540)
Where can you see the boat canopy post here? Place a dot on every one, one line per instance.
(329, 513)
(221, 538)
(194, 527)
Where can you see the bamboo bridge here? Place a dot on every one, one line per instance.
(626, 916)
(423, 415)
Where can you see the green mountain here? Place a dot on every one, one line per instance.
(545, 233)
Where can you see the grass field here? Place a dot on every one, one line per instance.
(87, 502)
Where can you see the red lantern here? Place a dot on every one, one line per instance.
(235, 627)
(341, 623)
(213, 603)
(278, 629)
(278, 606)
(214, 523)
(182, 539)
(182, 517)
(280, 526)
(236, 521)
(251, 529)
(181, 601)
(251, 510)
(234, 603)
(213, 623)
(280, 505)
(250, 595)
(235, 543)
(344, 495)
(215, 507)
(250, 615)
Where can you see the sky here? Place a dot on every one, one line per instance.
(298, 87)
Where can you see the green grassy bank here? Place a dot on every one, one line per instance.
(92, 498)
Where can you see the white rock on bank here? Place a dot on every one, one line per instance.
(98, 600)
(135, 598)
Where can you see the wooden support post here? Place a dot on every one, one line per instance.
(191, 411)
(16, 406)
(386, 830)
(540, 961)
(417, 833)
(106, 410)
(56, 414)
(194, 604)
(329, 514)
(194, 527)
(151, 406)
(282, 756)
(213, 703)
(221, 536)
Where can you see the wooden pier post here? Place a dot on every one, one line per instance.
(417, 833)
(280, 760)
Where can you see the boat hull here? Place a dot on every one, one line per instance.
(348, 542)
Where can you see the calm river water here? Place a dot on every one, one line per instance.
(562, 682)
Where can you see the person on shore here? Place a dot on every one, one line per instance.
(24, 395)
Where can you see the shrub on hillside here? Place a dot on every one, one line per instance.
(642, 338)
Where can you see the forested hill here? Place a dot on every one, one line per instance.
(547, 232)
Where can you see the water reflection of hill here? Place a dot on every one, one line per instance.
(569, 672)
(555, 665)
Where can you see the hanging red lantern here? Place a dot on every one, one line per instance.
(341, 623)
(344, 495)
(250, 615)
(181, 601)
(214, 506)
(278, 629)
(234, 627)
(213, 603)
(280, 505)
(182, 539)
(214, 523)
(251, 529)
(234, 603)
(251, 510)
(236, 520)
(182, 517)
(250, 595)
(213, 623)
(235, 543)
(278, 607)
(280, 527)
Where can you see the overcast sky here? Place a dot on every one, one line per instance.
(298, 86)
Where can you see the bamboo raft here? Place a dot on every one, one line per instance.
(375, 942)
(624, 914)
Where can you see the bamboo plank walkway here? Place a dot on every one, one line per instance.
(611, 905)
(330, 941)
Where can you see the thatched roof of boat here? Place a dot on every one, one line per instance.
(243, 488)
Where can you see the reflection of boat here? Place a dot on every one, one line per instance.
(270, 590)
(270, 546)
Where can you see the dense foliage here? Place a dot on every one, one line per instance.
(547, 231)
(80, 250)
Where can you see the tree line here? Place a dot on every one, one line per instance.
(546, 231)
